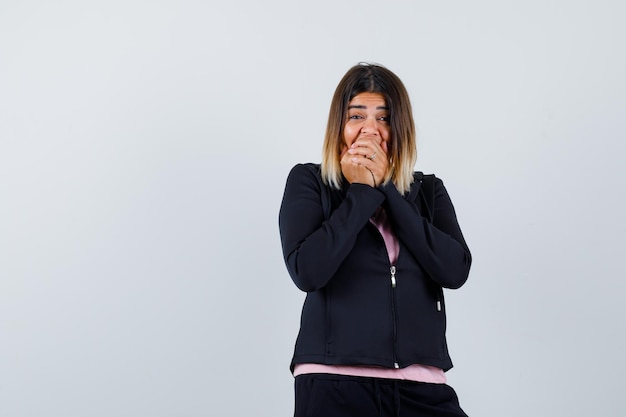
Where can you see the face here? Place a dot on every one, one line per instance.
(368, 116)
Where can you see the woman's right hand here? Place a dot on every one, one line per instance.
(354, 172)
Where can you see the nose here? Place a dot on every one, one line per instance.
(369, 127)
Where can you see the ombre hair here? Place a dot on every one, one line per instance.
(402, 149)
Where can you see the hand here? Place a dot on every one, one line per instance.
(365, 161)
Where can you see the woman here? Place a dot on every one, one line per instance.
(372, 244)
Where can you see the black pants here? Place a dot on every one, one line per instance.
(324, 395)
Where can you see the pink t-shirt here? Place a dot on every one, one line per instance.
(416, 372)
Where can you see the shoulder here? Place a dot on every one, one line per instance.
(305, 173)
(428, 184)
(306, 169)
(420, 177)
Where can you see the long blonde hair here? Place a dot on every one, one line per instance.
(372, 78)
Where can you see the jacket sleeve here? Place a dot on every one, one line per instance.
(438, 247)
(314, 247)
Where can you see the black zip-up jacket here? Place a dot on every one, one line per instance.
(360, 309)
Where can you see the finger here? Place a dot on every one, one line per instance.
(372, 146)
(367, 142)
(365, 149)
(376, 162)
(366, 162)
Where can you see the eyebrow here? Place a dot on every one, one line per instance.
(360, 106)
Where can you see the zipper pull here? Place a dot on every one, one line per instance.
(438, 305)
(393, 276)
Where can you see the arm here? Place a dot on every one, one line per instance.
(314, 247)
(438, 247)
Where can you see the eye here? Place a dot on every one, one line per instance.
(384, 119)
(355, 117)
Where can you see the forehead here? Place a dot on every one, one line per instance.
(368, 100)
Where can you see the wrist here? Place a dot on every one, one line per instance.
(373, 178)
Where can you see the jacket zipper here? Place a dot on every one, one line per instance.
(439, 299)
(393, 315)
(392, 270)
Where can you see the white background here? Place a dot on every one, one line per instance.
(144, 147)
